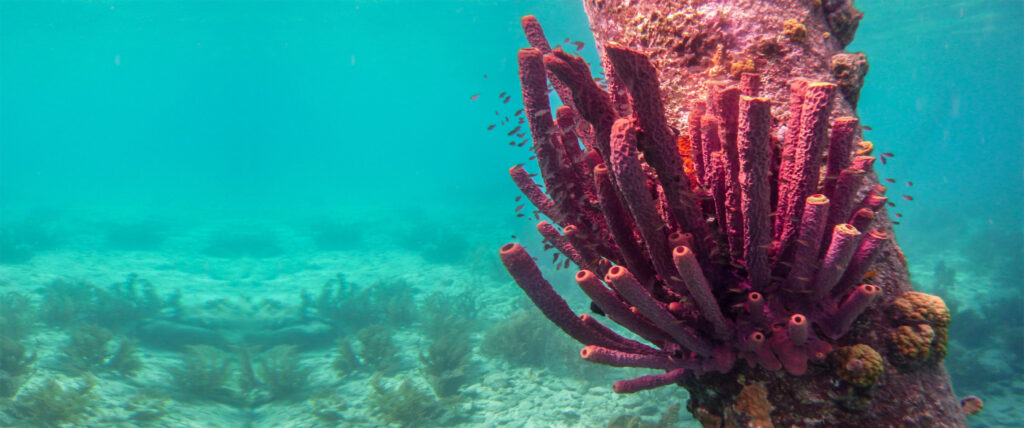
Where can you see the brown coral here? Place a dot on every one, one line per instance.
(859, 364)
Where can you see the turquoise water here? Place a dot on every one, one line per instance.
(242, 155)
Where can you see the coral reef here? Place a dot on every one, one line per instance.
(774, 249)
(446, 364)
(280, 372)
(370, 349)
(17, 316)
(54, 403)
(205, 373)
(406, 405)
(347, 306)
(522, 340)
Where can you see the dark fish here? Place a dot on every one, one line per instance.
(521, 121)
(519, 215)
(496, 113)
(882, 159)
(866, 127)
(511, 143)
(507, 98)
(513, 131)
(895, 222)
(532, 157)
(474, 97)
(566, 265)
(501, 95)
(485, 76)
(520, 207)
(889, 180)
(555, 259)
(490, 127)
(519, 197)
(514, 237)
(519, 112)
(521, 143)
(596, 309)
(910, 183)
(521, 135)
(579, 45)
(541, 112)
(890, 204)
(887, 154)
(506, 118)
(908, 197)
(898, 215)
(566, 40)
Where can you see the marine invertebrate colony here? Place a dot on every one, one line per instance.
(743, 238)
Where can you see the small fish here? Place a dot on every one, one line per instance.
(555, 259)
(579, 45)
(501, 95)
(514, 237)
(910, 183)
(520, 207)
(888, 154)
(566, 265)
(541, 112)
(596, 309)
(474, 97)
(520, 215)
(490, 127)
(534, 157)
(869, 275)
(895, 222)
(889, 180)
(882, 159)
(908, 197)
(890, 204)
(898, 215)
(507, 98)
(513, 131)
(866, 127)
(518, 198)
(521, 135)
(521, 144)
(566, 40)
(511, 143)
(518, 112)
(521, 121)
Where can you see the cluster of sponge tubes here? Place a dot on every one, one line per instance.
(712, 246)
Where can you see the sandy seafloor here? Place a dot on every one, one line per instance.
(497, 394)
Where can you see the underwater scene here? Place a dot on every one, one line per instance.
(573, 213)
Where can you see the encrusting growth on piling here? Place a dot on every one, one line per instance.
(758, 254)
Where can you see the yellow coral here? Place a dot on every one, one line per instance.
(859, 364)
(915, 307)
(738, 67)
(794, 30)
(914, 343)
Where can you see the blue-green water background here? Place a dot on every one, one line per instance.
(283, 112)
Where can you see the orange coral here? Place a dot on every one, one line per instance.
(922, 330)
(917, 307)
(752, 408)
